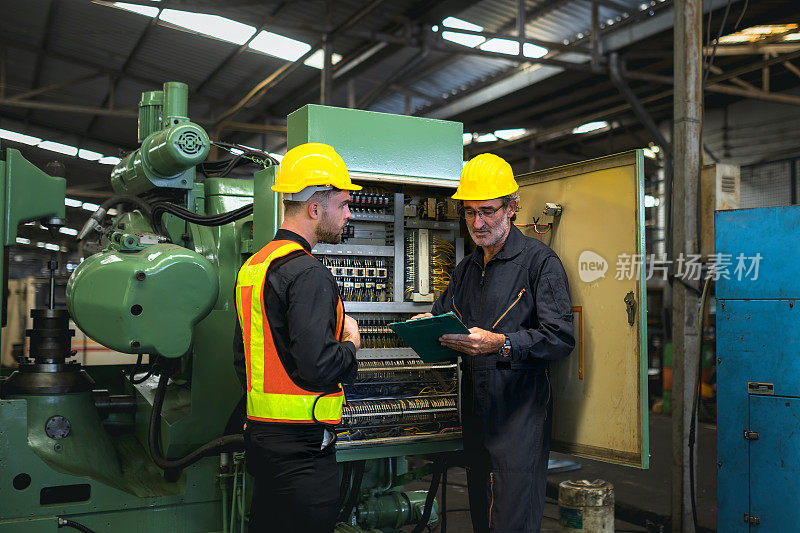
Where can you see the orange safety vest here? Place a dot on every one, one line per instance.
(272, 396)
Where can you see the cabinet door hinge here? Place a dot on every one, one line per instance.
(750, 435)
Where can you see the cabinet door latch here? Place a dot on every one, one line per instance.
(750, 435)
(751, 519)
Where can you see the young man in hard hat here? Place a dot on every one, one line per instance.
(294, 347)
(512, 293)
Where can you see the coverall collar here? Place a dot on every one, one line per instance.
(288, 235)
(515, 243)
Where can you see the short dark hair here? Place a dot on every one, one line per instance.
(291, 207)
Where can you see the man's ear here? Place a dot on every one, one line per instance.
(314, 210)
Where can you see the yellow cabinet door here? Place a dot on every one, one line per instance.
(600, 390)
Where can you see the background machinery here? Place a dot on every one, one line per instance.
(157, 448)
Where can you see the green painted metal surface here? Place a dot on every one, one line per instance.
(27, 194)
(143, 302)
(381, 143)
(138, 499)
(265, 208)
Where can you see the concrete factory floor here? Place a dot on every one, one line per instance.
(642, 496)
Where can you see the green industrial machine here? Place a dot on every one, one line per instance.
(163, 451)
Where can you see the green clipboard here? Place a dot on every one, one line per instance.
(422, 335)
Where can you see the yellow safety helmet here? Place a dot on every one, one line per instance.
(312, 165)
(486, 177)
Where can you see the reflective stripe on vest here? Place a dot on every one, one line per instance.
(272, 396)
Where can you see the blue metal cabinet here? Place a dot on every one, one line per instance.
(758, 372)
(774, 466)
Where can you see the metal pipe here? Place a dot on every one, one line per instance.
(615, 69)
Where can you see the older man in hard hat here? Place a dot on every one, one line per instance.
(293, 348)
(512, 293)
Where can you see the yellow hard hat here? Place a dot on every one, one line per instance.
(486, 177)
(312, 165)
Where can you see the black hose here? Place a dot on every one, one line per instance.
(150, 370)
(173, 466)
(63, 522)
(97, 217)
(443, 514)
(693, 419)
(220, 219)
(438, 468)
(355, 488)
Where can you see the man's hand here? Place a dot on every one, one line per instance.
(350, 331)
(421, 315)
(479, 341)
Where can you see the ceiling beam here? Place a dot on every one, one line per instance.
(152, 82)
(287, 68)
(56, 86)
(617, 37)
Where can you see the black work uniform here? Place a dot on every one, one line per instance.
(296, 481)
(506, 402)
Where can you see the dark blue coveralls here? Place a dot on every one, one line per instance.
(506, 401)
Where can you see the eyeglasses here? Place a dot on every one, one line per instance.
(484, 212)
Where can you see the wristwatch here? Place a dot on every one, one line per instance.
(505, 349)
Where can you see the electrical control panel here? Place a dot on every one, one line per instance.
(396, 257)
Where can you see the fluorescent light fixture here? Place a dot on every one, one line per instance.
(112, 212)
(89, 155)
(58, 147)
(68, 231)
(147, 11)
(532, 50)
(41, 244)
(463, 38)
(236, 151)
(486, 137)
(23, 240)
(792, 37)
(317, 58)
(90, 206)
(649, 153)
(453, 22)
(509, 134)
(71, 202)
(31, 223)
(276, 45)
(64, 249)
(19, 137)
(434, 28)
(54, 247)
(590, 126)
(109, 160)
(651, 201)
(214, 26)
(501, 46)
(466, 138)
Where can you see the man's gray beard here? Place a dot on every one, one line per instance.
(499, 237)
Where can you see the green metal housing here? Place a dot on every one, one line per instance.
(157, 295)
(377, 145)
(171, 145)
